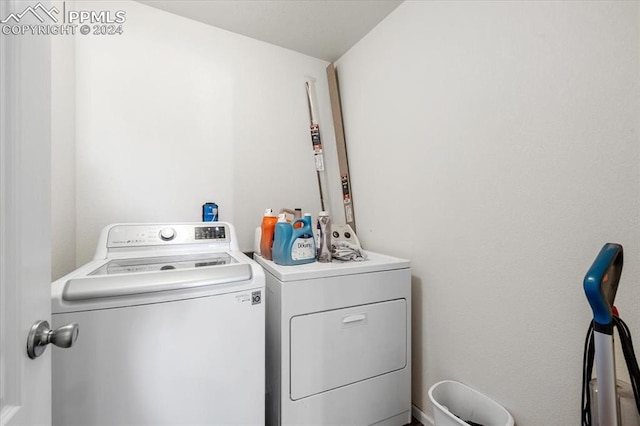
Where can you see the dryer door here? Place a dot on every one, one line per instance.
(336, 348)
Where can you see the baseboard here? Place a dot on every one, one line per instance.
(421, 417)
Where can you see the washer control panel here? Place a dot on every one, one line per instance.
(134, 235)
(210, 233)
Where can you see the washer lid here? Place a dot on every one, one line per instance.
(163, 263)
(126, 277)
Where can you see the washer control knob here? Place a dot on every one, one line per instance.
(167, 234)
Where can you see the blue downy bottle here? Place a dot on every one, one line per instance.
(294, 246)
(281, 237)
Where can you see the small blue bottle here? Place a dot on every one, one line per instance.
(209, 212)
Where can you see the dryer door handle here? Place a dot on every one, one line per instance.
(354, 318)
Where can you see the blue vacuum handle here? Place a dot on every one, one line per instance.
(601, 282)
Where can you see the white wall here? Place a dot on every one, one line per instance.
(502, 139)
(174, 113)
(63, 157)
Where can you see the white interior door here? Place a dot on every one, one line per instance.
(25, 110)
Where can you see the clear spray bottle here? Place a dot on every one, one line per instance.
(323, 235)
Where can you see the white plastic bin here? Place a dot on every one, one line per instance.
(455, 404)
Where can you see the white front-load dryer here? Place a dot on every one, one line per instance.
(172, 330)
(339, 342)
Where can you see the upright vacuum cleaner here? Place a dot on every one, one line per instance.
(600, 287)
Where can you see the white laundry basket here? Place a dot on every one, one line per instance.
(455, 404)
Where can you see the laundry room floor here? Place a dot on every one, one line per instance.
(415, 422)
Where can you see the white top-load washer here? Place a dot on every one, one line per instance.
(339, 342)
(172, 330)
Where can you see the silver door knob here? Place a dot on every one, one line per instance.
(41, 335)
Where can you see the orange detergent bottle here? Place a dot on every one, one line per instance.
(266, 236)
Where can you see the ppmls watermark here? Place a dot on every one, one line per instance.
(38, 20)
